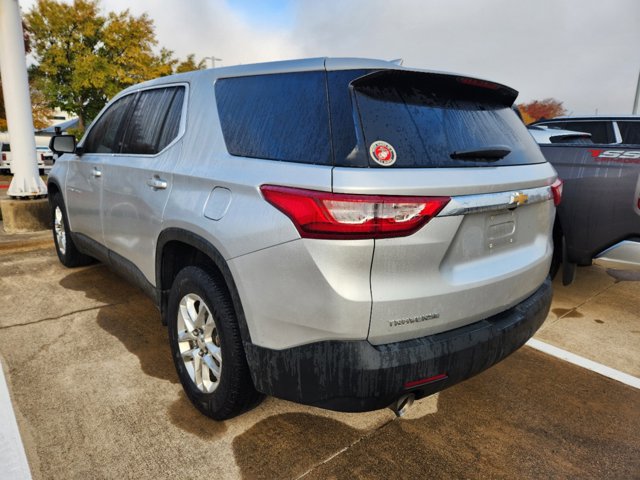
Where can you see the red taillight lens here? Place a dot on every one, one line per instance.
(556, 190)
(346, 216)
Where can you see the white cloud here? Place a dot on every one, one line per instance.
(206, 28)
(582, 52)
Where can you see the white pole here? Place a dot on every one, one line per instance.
(15, 84)
(637, 97)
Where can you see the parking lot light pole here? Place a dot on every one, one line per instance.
(636, 98)
(13, 66)
(213, 59)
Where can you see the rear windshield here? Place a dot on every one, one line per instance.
(601, 132)
(434, 120)
(630, 132)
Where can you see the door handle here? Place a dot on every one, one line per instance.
(96, 173)
(157, 183)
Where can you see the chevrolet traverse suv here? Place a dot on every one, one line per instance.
(343, 233)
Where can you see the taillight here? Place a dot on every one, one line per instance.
(347, 216)
(4, 156)
(556, 190)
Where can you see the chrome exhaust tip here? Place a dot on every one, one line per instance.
(402, 404)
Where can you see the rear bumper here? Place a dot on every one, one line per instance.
(355, 376)
(624, 256)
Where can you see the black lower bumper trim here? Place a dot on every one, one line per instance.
(356, 376)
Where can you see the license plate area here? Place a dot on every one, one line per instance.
(501, 229)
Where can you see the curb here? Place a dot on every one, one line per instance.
(13, 458)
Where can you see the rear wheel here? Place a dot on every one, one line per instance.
(68, 253)
(206, 346)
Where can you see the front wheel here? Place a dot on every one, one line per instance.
(68, 253)
(206, 346)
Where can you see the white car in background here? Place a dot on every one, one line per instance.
(43, 154)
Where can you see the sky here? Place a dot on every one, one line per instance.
(585, 53)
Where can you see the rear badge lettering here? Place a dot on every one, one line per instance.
(382, 153)
(616, 156)
(408, 321)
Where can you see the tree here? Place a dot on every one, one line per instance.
(84, 58)
(190, 64)
(539, 109)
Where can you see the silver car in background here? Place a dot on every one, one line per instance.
(343, 233)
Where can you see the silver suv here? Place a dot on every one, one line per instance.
(342, 233)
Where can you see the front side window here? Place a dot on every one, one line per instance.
(106, 133)
(276, 117)
(155, 121)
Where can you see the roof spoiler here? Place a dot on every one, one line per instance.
(432, 88)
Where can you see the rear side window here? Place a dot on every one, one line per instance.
(630, 132)
(346, 149)
(171, 126)
(601, 132)
(434, 120)
(106, 133)
(154, 122)
(276, 117)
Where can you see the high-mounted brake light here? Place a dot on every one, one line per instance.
(556, 190)
(478, 83)
(347, 216)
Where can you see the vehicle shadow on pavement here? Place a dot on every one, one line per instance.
(185, 416)
(530, 416)
(137, 325)
(99, 283)
(288, 444)
(130, 317)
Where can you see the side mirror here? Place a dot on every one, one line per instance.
(60, 144)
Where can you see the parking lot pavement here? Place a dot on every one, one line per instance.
(598, 317)
(95, 395)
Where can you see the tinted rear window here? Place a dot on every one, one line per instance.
(343, 126)
(601, 132)
(276, 117)
(426, 118)
(630, 132)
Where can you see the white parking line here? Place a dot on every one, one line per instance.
(13, 461)
(585, 363)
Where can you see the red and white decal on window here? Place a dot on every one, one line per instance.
(382, 153)
(616, 156)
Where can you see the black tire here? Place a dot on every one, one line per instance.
(69, 255)
(556, 259)
(234, 392)
(568, 268)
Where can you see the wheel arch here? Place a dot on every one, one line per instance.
(178, 248)
(52, 188)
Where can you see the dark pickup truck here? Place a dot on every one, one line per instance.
(599, 218)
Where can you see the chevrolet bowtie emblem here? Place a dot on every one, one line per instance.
(518, 199)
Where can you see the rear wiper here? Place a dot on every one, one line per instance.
(490, 154)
